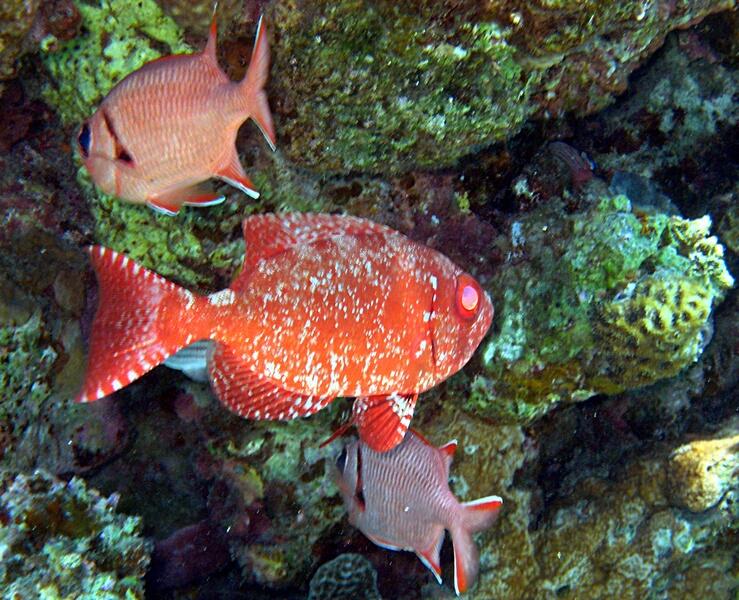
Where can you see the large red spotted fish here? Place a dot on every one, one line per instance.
(324, 306)
(172, 124)
(401, 501)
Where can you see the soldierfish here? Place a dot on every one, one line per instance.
(172, 124)
(324, 306)
(401, 501)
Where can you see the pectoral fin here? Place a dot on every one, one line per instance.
(383, 420)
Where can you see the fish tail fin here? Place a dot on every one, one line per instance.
(140, 320)
(253, 84)
(476, 516)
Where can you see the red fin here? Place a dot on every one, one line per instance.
(449, 448)
(208, 199)
(130, 332)
(210, 47)
(268, 235)
(481, 513)
(383, 420)
(476, 515)
(169, 201)
(430, 556)
(233, 173)
(254, 82)
(252, 396)
(164, 206)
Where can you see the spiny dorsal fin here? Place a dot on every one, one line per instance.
(268, 235)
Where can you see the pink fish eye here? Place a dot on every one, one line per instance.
(468, 296)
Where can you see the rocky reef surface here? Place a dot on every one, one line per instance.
(576, 158)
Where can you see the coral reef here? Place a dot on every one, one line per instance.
(282, 466)
(62, 540)
(674, 123)
(627, 534)
(597, 302)
(16, 20)
(346, 577)
(382, 86)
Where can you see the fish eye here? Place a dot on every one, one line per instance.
(468, 296)
(341, 461)
(83, 139)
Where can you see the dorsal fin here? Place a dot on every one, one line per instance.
(209, 51)
(268, 235)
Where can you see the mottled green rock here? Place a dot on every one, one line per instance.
(386, 86)
(597, 302)
(62, 540)
(374, 85)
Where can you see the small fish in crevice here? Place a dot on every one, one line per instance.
(171, 125)
(401, 501)
(324, 306)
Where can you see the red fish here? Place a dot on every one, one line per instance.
(171, 125)
(324, 306)
(401, 501)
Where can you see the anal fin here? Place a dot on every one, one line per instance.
(233, 173)
(169, 201)
(253, 396)
(383, 420)
(430, 556)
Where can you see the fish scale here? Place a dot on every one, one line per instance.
(361, 311)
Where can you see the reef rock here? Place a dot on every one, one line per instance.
(62, 540)
(386, 86)
(600, 301)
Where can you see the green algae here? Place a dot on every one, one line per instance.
(26, 352)
(604, 301)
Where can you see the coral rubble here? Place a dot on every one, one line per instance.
(63, 540)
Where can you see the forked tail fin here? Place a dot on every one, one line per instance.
(141, 319)
(476, 516)
(253, 84)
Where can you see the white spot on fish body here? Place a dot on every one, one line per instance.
(189, 298)
(222, 298)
